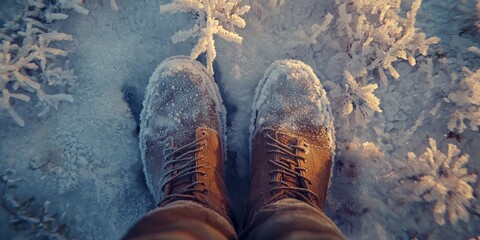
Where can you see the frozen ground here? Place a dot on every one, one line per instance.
(84, 158)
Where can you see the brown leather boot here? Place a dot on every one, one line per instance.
(292, 138)
(181, 134)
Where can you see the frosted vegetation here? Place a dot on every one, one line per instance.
(467, 102)
(402, 77)
(214, 17)
(439, 178)
(26, 68)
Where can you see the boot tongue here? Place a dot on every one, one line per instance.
(177, 141)
(288, 141)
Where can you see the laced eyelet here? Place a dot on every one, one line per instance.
(204, 174)
(205, 184)
(205, 191)
(204, 133)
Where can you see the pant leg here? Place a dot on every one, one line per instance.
(185, 220)
(291, 219)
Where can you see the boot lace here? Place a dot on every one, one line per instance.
(292, 187)
(184, 170)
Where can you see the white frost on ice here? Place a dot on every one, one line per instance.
(101, 123)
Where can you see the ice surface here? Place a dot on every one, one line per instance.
(88, 152)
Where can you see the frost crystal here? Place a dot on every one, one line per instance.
(467, 102)
(276, 3)
(25, 55)
(113, 5)
(443, 179)
(214, 17)
(302, 38)
(73, 4)
(367, 151)
(377, 36)
(474, 49)
(29, 221)
(477, 7)
(355, 93)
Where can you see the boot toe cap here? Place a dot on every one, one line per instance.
(179, 97)
(292, 98)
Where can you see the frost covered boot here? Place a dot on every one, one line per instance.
(181, 134)
(292, 138)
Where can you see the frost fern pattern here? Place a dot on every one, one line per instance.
(372, 37)
(467, 102)
(27, 61)
(355, 92)
(214, 17)
(374, 45)
(439, 178)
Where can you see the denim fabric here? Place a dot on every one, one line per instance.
(186, 220)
